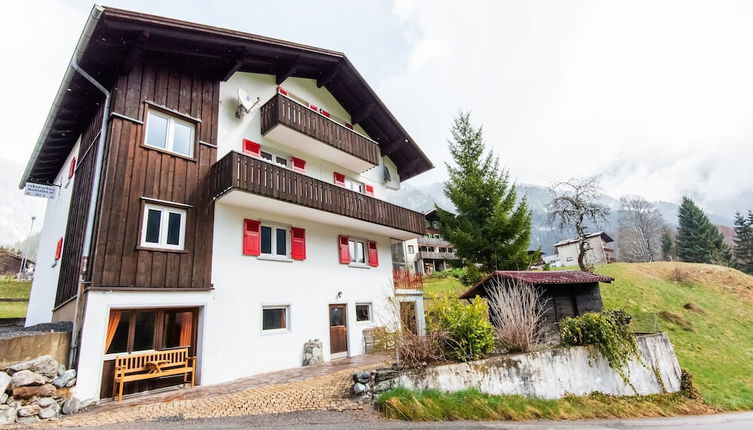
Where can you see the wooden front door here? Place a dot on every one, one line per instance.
(338, 331)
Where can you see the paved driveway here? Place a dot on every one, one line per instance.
(362, 420)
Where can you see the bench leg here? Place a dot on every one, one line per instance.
(114, 388)
(120, 391)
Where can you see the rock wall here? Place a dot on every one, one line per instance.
(553, 373)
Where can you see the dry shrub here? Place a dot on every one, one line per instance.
(517, 312)
(679, 275)
(692, 307)
(415, 350)
(677, 319)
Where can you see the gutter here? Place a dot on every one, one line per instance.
(70, 72)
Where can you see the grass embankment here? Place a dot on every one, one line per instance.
(706, 310)
(432, 405)
(11, 289)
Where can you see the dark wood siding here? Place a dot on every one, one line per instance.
(73, 242)
(134, 173)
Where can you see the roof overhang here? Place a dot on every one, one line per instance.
(564, 277)
(115, 40)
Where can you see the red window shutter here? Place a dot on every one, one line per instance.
(369, 190)
(344, 249)
(298, 243)
(251, 237)
(252, 148)
(59, 249)
(349, 125)
(72, 168)
(373, 254)
(324, 112)
(313, 107)
(298, 164)
(282, 91)
(339, 179)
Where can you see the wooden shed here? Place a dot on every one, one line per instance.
(568, 293)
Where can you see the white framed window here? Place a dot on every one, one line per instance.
(275, 318)
(363, 312)
(272, 157)
(358, 251)
(411, 249)
(274, 241)
(354, 185)
(172, 134)
(163, 227)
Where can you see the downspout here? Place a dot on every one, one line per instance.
(89, 230)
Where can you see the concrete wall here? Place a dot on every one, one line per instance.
(44, 287)
(555, 373)
(22, 348)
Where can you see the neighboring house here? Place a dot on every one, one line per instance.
(552, 260)
(429, 253)
(10, 264)
(600, 253)
(186, 219)
(565, 293)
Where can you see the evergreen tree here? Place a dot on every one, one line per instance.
(698, 240)
(490, 229)
(744, 242)
(667, 245)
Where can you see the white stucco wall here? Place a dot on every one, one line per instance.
(44, 286)
(568, 254)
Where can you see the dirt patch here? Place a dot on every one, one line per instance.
(677, 319)
(692, 307)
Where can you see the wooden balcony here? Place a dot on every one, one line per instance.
(251, 176)
(425, 255)
(292, 124)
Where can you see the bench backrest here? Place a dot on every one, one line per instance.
(134, 363)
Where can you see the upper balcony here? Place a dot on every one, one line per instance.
(426, 255)
(297, 126)
(246, 181)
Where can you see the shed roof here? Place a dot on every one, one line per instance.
(565, 277)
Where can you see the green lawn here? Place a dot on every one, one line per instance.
(717, 345)
(10, 289)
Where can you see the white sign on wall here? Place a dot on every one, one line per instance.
(39, 190)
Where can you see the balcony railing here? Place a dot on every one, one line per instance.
(437, 255)
(283, 110)
(433, 241)
(241, 172)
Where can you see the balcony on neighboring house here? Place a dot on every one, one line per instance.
(433, 241)
(426, 255)
(245, 181)
(302, 128)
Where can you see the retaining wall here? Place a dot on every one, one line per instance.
(554, 373)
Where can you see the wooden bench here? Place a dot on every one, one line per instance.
(151, 365)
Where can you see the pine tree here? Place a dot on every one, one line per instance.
(698, 240)
(744, 242)
(490, 229)
(667, 245)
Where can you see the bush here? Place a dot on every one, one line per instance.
(471, 275)
(467, 332)
(608, 331)
(415, 350)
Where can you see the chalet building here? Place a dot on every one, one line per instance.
(600, 252)
(220, 191)
(429, 253)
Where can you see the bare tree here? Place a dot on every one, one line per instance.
(517, 310)
(640, 231)
(574, 203)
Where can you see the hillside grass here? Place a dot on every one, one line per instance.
(713, 339)
(12, 289)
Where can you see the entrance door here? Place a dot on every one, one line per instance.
(338, 331)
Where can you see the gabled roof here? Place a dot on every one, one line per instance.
(565, 277)
(605, 237)
(114, 40)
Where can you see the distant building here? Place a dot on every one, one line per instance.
(600, 252)
(10, 263)
(552, 260)
(429, 253)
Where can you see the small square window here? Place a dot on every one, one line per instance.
(163, 227)
(411, 249)
(169, 133)
(363, 312)
(275, 318)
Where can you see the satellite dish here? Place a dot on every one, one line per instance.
(245, 103)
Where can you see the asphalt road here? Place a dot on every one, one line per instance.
(369, 421)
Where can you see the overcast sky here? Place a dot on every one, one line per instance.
(655, 95)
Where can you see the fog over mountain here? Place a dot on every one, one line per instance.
(423, 198)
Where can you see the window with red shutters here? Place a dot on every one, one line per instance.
(59, 249)
(72, 168)
(251, 148)
(251, 242)
(339, 179)
(298, 243)
(342, 242)
(369, 190)
(373, 254)
(298, 164)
